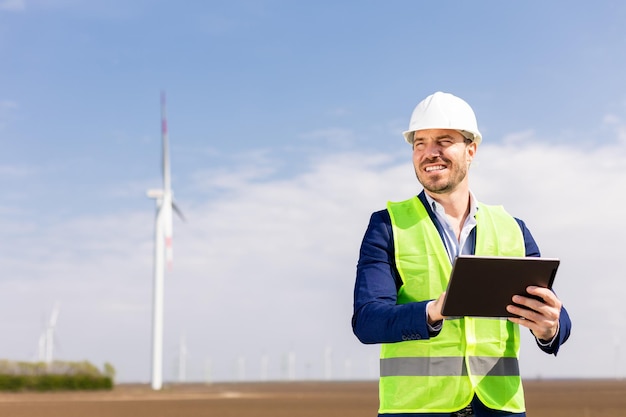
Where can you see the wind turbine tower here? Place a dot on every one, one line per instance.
(50, 334)
(162, 251)
(182, 359)
(46, 340)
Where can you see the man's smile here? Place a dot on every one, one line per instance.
(434, 168)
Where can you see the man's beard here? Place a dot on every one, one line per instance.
(456, 174)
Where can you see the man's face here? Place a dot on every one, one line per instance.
(441, 158)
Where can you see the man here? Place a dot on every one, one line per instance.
(432, 365)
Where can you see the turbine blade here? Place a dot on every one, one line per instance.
(179, 212)
(166, 151)
(54, 316)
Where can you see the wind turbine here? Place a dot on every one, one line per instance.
(182, 359)
(50, 333)
(162, 251)
(46, 339)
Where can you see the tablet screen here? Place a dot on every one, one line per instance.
(483, 286)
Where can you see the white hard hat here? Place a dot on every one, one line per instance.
(444, 111)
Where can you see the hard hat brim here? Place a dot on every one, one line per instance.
(473, 136)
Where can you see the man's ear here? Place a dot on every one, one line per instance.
(471, 150)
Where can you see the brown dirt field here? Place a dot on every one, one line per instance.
(549, 398)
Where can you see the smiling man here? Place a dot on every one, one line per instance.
(432, 365)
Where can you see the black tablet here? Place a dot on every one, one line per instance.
(482, 286)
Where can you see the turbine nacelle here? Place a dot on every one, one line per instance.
(156, 194)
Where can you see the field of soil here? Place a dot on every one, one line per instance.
(547, 398)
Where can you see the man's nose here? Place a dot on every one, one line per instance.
(432, 149)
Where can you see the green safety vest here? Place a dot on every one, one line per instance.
(470, 355)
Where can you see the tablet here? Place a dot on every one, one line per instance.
(482, 286)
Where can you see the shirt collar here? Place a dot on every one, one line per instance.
(438, 208)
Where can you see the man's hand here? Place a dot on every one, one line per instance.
(542, 318)
(433, 309)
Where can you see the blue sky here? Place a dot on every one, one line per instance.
(285, 126)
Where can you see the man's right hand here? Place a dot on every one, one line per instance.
(433, 309)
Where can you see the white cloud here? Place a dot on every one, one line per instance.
(332, 136)
(614, 122)
(518, 138)
(13, 5)
(16, 172)
(339, 112)
(268, 267)
(235, 172)
(7, 105)
(7, 109)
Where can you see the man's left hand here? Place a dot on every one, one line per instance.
(541, 317)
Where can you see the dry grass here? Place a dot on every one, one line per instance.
(550, 398)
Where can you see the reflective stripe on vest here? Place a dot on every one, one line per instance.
(470, 355)
(448, 366)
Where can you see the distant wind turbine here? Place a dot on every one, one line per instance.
(162, 251)
(46, 340)
(328, 363)
(182, 359)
